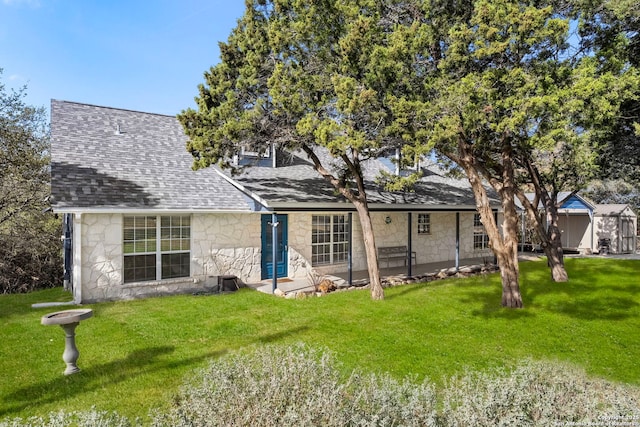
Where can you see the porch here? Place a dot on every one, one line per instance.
(288, 286)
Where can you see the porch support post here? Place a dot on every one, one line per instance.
(274, 251)
(457, 241)
(350, 248)
(409, 244)
(592, 226)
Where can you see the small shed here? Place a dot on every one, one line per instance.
(585, 227)
(616, 224)
(575, 220)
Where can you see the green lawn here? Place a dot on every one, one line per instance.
(135, 355)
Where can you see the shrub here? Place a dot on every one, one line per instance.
(534, 394)
(91, 418)
(31, 255)
(301, 386)
(296, 386)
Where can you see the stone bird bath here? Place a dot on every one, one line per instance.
(68, 320)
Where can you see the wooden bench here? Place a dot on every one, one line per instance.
(390, 253)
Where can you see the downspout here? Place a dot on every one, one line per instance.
(67, 253)
(457, 241)
(77, 258)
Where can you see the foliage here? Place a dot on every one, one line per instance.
(299, 386)
(619, 153)
(501, 91)
(91, 418)
(536, 393)
(614, 191)
(135, 355)
(30, 250)
(310, 76)
(302, 386)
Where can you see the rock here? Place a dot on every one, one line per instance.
(279, 292)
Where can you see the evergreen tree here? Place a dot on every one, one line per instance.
(30, 248)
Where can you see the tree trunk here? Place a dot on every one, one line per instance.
(506, 251)
(510, 275)
(371, 251)
(553, 250)
(359, 200)
(504, 246)
(551, 237)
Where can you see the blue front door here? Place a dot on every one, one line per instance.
(267, 247)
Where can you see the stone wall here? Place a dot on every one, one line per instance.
(101, 269)
(230, 244)
(226, 244)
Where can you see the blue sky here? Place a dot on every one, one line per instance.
(133, 54)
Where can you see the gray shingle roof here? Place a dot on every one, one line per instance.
(613, 209)
(107, 158)
(295, 181)
(143, 166)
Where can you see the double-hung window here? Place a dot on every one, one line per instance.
(480, 236)
(156, 247)
(424, 223)
(329, 239)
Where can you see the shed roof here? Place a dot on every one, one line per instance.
(614, 210)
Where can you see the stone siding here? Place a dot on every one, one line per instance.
(230, 244)
(101, 256)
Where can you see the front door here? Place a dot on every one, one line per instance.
(267, 247)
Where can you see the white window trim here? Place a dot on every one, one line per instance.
(158, 252)
(428, 223)
(331, 242)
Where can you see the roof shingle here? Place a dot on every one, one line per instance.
(109, 158)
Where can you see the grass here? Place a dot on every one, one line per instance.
(135, 355)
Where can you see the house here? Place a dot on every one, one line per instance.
(142, 222)
(586, 226)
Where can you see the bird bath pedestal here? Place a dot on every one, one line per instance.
(68, 320)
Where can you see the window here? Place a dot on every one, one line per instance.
(156, 247)
(424, 223)
(480, 237)
(329, 239)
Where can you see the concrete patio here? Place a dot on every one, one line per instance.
(341, 279)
